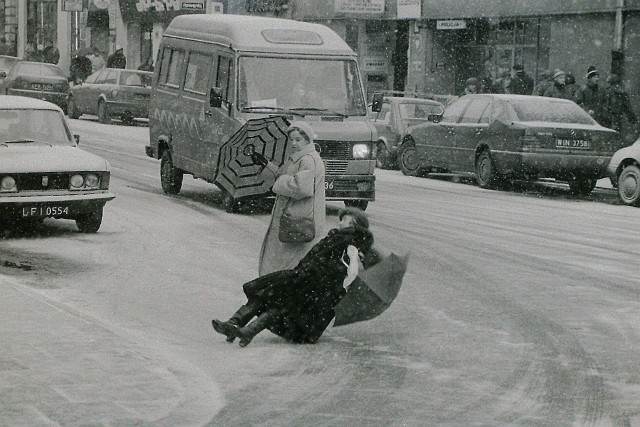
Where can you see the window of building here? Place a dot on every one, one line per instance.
(198, 67)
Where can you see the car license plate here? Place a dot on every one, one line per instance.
(41, 211)
(42, 86)
(572, 143)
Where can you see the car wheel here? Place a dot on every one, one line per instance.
(72, 111)
(629, 186)
(89, 223)
(382, 159)
(408, 159)
(486, 174)
(170, 176)
(360, 204)
(582, 186)
(103, 114)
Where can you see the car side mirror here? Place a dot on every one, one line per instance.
(376, 103)
(435, 118)
(215, 97)
(77, 138)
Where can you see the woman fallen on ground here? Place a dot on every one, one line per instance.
(298, 304)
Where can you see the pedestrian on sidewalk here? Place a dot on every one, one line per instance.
(470, 86)
(545, 82)
(117, 59)
(299, 189)
(97, 62)
(619, 106)
(591, 97)
(298, 304)
(521, 83)
(558, 88)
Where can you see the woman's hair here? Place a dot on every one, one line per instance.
(360, 220)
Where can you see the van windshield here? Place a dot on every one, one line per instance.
(288, 83)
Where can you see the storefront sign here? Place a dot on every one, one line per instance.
(451, 24)
(359, 6)
(163, 10)
(375, 64)
(168, 5)
(409, 9)
(72, 6)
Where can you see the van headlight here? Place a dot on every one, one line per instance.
(361, 151)
(8, 184)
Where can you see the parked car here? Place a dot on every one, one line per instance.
(497, 137)
(35, 80)
(43, 172)
(112, 92)
(624, 171)
(395, 116)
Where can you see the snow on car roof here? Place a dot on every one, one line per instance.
(10, 102)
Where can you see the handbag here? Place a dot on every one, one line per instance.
(296, 229)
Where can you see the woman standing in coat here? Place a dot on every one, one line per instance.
(299, 189)
(299, 304)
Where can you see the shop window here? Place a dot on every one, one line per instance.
(198, 67)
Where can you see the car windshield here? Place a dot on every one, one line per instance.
(550, 110)
(414, 113)
(23, 126)
(36, 69)
(130, 78)
(290, 83)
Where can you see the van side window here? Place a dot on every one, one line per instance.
(224, 71)
(198, 66)
(170, 68)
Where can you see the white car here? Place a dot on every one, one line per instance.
(624, 170)
(43, 172)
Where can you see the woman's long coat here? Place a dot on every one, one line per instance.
(296, 193)
(306, 296)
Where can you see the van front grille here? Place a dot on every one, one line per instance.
(334, 150)
(335, 167)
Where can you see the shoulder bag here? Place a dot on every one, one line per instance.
(296, 229)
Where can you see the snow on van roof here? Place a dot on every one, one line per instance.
(257, 33)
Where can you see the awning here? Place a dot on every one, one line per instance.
(460, 9)
(159, 10)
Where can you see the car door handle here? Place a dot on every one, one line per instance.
(208, 113)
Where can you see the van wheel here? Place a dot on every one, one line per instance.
(582, 186)
(72, 110)
(103, 114)
(408, 159)
(89, 223)
(486, 174)
(170, 176)
(360, 204)
(629, 186)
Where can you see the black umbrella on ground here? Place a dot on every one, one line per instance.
(237, 175)
(373, 291)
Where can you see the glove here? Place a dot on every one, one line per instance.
(259, 159)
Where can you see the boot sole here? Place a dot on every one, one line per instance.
(225, 329)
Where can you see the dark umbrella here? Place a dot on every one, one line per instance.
(372, 291)
(237, 174)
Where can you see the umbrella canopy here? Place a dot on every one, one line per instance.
(372, 291)
(236, 172)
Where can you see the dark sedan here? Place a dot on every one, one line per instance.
(495, 138)
(112, 92)
(34, 80)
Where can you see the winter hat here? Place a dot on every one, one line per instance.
(360, 219)
(303, 127)
(519, 69)
(591, 71)
(118, 47)
(471, 81)
(558, 72)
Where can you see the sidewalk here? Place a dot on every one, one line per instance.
(58, 367)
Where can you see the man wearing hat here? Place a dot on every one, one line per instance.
(558, 88)
(591, 97)
(521, 83)
(117, 59)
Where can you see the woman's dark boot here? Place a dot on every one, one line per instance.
(239, 319)
(263, 321)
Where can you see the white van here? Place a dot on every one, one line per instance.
(214, 72)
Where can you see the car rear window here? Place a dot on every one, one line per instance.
(42, 70)
(550, 110)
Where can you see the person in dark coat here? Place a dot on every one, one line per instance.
(79, 69)
(545, 82)
(298, 304)
(470, 86)
(558, 88)
(521, 83)
(147, 65)
(570, 84)
(50, 54)
(618, 104)
(591, 97)
(117, 59)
